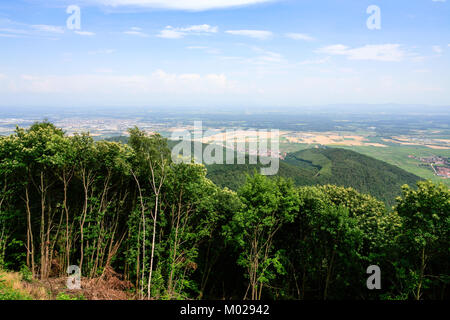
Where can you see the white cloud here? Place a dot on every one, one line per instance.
(14, 32)
(264, 58)
(257, 34)
(299, 36)
(135, 31)
(102, 51)
(190, 5)
(103, 82)
(23, 30)
(200, 28)
(383, 52)
(7, 35)
(333, 49)
(314, 62)
(48, 28)
(104, 70)
(197, 47)
(437, 49)
(250, 85)
(170, 32)
(206, 49)
(85, 33)
(119, 89)
(269, 57)
(13, 29)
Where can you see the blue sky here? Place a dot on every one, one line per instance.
(219, 53)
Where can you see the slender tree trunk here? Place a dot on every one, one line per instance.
(30, 241)
(42, 234)
(66, 211)
(3, 236)
(138, 263)
(422, 271)
(153, 246)
(143, 249)
(142, 222)
(327, 282)
(86, 183)
(207, 271)
(175, 247)
(52, 245)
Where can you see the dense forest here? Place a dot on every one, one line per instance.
(174, 234)
(327, 166)
(319, 166)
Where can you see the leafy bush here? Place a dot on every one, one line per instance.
(8, 293)
(65, 296)
(26, 274)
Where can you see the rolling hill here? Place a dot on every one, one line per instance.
(321, 166)
(327, 166)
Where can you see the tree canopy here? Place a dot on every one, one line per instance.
(174, 234)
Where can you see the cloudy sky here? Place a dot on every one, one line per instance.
(220, 53)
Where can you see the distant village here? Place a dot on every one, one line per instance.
(440, 165)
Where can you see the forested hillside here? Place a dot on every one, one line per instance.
(351, 169)
(165, 231)
(321, 166)
(327, 166)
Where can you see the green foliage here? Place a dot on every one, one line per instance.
(7, 292)
(327, 166)
(65, 296)
(267, 206)
(127, 210)
(26, 274)
(424, 240)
